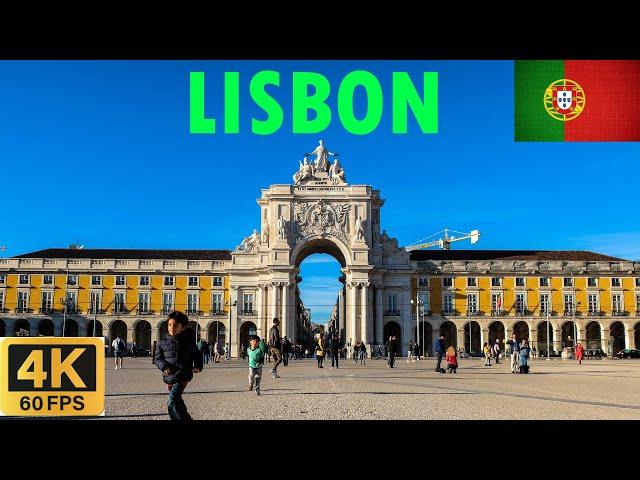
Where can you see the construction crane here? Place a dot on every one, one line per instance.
(445, 242)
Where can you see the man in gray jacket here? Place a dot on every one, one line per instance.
(275, 343)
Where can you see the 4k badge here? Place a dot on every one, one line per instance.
(564, 100)
(49, 376)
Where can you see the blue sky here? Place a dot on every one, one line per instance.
(100, 152)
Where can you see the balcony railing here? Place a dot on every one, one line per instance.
(497, 313)
(194, 312)
(145, 311)
(217, 312)
(119, 311)
(451, 313)
(595, 313)
(4, 310)
(392, 313)
(474, 313)
(620, 314)
(99, 311)
(248, 312)
(45, 310)
(568, 312)
(24, 310)
(167, 310)
(523, 312)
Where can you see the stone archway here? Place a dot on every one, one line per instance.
(568, 334)
(594, 335)
(70, 328)
(545, 328)
(636, 334)
(393, 329)
(496, 332)
(163, 330)
(521, 329)
(425, 337)
(617, 336)
(46, 328)
(217, 331)
(142, 334)
(21, 324)
(247, 329)
(195, 328)
(117, 329)
(98, 328)
(472, 342)
(450, 332)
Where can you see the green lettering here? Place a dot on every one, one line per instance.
(231, 102)
(425, 111)
(266, 103)
(197, 121)
(374, 102)
(302, 103)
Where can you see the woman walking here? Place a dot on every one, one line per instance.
(320, 351)
(579, 353)
(363, 354)
(487, 354)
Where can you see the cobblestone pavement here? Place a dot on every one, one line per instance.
(557, 389)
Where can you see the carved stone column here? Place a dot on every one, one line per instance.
(284, 317)
(273, 307)
(260, 312)
(353, 312)
(364, 306)
(378, 315)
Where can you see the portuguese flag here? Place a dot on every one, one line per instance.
(577, 101)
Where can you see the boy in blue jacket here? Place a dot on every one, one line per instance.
(256, 361)
(178, 358)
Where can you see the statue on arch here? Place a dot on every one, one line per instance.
(282, 228)
(336, 171)
(250, 244)
(321, 153)
(359, 228)
(305, 172)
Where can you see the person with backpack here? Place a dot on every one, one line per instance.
(523, 356)
(496, 351)
(119, 350)
(363, 353)
(391, 349)
(410, 352)
(416, 351)
(513, 348)
(336, 346)
(441, 348)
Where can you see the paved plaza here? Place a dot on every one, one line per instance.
(557, 389)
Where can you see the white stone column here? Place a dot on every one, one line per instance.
(259, 311)
(484, 337)
(131, 333)
(353, 312)
(606, 335)
(364, 306)
(284, 317)
(459, 338)
(154, 335)
(407, 321)
(378, 315)
(557, 338)
(629, 338)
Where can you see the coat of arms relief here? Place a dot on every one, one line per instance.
(321, 219)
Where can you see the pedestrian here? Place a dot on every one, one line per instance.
(523, 356)
(320, 349)
(336, 346)
(440, 351)
(391, 350)
(487, 354)
(133, 350)
(496, 351)
(256, 361)
(205, 351)
(201, 347)
(410, 352)
(286, 349)
(212, 351)
(227, 351)
(452, 360)
(178, 359)
(274, 346)
(579, 353)
(217, 347)
(119, 350)
(514, 348)
(153, 351)
(363, 353)
(416, 351)
(534, 352)
(356, 350)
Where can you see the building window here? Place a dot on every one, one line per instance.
(47, 302)
(94, 307)
(637, 304)
(544, 281)
(72, 279)
(592, 300)
(1, 300)
(217, 303)
(519, 281)
(447, 303)
(472, 304)
(637, 281)
(217, 281)
(447, 281)
(568, 282)
(521, 304)
(47, 279)
(168, 281)
(193, 281)
(144, 280)
(96, 280)
(496, 303)
(23, 301)
(247, 303)
(568, 304)
(167, 301)
(496, 281)
(544, 304)
(192, 303)
(592, 282)
(615, 282)
(119, 305)
(24, 280)
(3, 279)
(616, 303)
(392, 304)
(423, 297)
(120, 280)
(472, 282)
(423, 282)
(143, 302)
(71, 303)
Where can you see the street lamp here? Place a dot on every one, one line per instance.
(228, 350)
(418, 304)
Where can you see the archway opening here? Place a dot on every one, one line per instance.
(247, 329)
(472, 341)
(393, 329)
(322, 294)
(636, 334)
(545, 330)
(496, 332)
(450, 332)
(45, 328)
(617, 337)
(217, 332)
(21, 327)
(70, 328)
(94, 326)
(425, 338)
(521, 329)
(143, 334)
(594, 336)
(195, 328)
(568, 334)
(3, 328)
(118, 329)
(163, 330)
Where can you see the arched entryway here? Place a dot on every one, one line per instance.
(163, 330)
(425, 338)
(636, 334)
(472, 342)
(496, 332)
(90, 328)
(247, 328)
(450, 332)
(568, 334)
(545, 329)
(70, 328)
(21, 324)
(195, 328)
(117, 329)
(143, 334)
(217, 332)
(594, 335)
(45, 328)
(617, 334)
(3, 328)
(521, 329)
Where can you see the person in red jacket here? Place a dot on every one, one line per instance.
(452, 360)
(579, 353)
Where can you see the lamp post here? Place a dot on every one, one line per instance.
(418, 303)
(227, 353)
(548, 313)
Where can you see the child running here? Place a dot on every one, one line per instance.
(256, 361)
